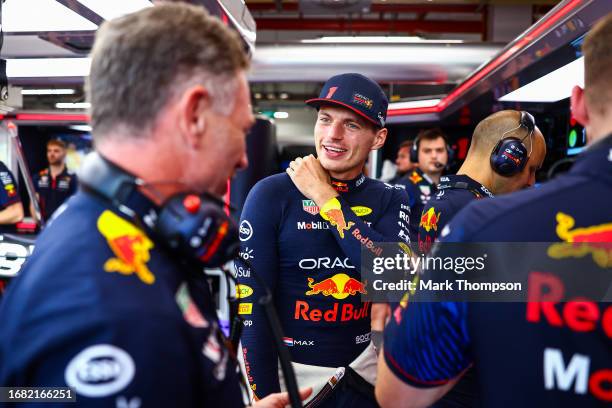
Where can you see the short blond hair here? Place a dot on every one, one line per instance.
(597, 50)
(141, 61)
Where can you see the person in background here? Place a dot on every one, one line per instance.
(403, 162)
(478, 177)
(430, 152)
(56, 183)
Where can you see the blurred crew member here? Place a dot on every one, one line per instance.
(431, 152)
(55, 183)
(403, 162)
(541, 352)
(303, 232)
(11, 209)
(484, 173)
(104, 304)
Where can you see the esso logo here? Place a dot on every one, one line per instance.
(246, 231)
(100, 371)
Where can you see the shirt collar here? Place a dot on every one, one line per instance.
(461, 181)
(344, 186)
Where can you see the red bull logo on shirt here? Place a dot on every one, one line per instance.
(339, 286)
(332, 212)
(580, 242)
(429, 220)
(129, 244)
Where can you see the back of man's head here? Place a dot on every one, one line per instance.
(143, 60)
(490, 130)
(597, 50)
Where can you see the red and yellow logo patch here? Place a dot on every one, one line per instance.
(415, 177)
(129, 244)
(595, 240)
(429, 219)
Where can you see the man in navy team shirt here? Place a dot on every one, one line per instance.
(303, 232)
(536, 353)
(56, 183)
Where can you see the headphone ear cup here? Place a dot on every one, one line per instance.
(414, 152)
(198, 229)
(508, 157)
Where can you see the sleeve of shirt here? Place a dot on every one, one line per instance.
(137, 358)
(426, 344)
(259, 255)
(353, 234)
(9, 194)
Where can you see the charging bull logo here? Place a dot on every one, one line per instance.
(339, 286)
(130, 246)
(332, 212)
(429, 220)
(580, 242)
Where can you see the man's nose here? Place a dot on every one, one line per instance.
(335, 131)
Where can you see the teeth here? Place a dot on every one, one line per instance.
(335, 149)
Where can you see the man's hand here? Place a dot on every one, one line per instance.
(311, 179)
(381, 312)
(280, 399)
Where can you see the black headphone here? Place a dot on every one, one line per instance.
(194, 226)
(414, 151)
(510, 155)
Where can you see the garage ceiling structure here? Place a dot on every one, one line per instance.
(417, 49)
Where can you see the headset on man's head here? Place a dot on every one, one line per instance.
(193, 226)
(509, 156)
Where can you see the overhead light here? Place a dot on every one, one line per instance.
(284, 95)
(48, 91)
(424, 103)
(270, 95)
(47, 67)
(257, 95)
(375, 39)
(40, 16)
(281, 115)
(81, 128)
(109, 9)
(552, 87)
(73, 105)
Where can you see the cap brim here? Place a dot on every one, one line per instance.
(317, 102)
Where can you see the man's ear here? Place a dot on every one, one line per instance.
(578, 104)
(379, 139)
(192, 109)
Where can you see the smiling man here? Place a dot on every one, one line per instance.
(303, 233)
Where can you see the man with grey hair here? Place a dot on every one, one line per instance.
(105, 305)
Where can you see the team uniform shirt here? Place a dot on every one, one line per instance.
(529, 354)
(53, 191)
(309, 258)
(9, 194)
(420, 188)
(454, 193)
(102, 308)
